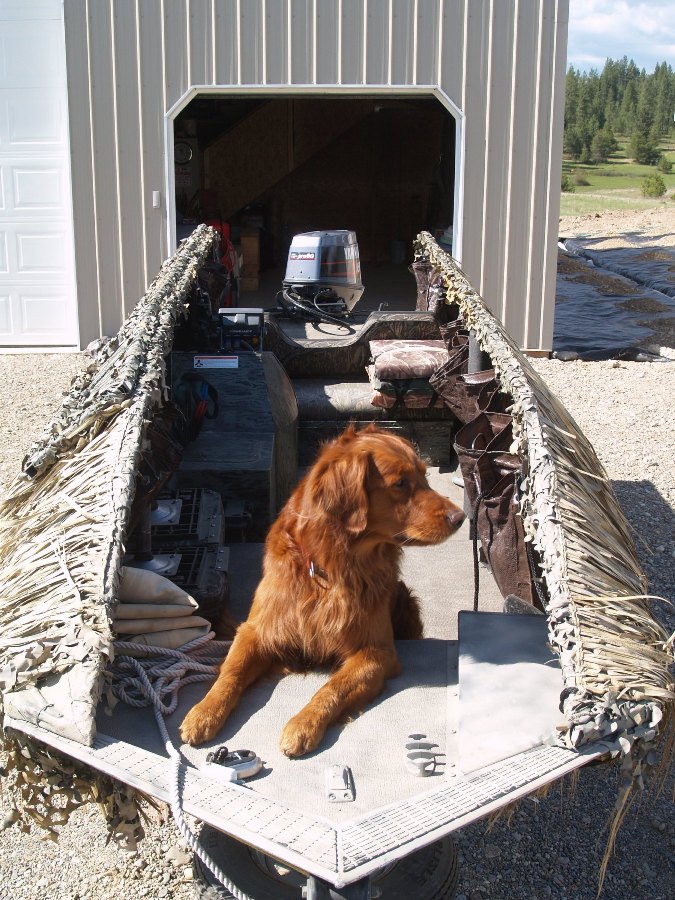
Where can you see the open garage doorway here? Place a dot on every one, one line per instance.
(270, 168)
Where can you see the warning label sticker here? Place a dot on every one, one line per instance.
(216, 362)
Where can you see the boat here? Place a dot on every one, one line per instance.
(172, 453)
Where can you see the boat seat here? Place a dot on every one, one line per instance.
(351, 401)
(326, 406)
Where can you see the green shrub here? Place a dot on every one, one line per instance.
(664, 164)
(566, 185)
(653, 186)
(643, 149)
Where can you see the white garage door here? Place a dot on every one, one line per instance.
(37, 270)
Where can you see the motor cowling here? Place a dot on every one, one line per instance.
(323, 273)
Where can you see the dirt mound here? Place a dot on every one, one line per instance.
(654, 227)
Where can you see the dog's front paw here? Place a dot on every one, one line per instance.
(201, 724)
(301, 735)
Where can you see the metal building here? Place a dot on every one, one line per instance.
(386, 116)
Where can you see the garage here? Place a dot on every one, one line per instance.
(381, 116)
(38, 305)
(275, 167)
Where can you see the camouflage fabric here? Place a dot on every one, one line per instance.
(405, 359)
(342, 358)
(410, 393)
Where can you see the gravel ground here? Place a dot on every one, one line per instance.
(552, 847)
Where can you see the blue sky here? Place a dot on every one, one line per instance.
(642, 30)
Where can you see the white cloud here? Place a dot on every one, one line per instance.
(642, 30)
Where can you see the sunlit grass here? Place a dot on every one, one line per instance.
(580, 204)
(615, 184)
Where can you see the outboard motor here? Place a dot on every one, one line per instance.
(323, 276)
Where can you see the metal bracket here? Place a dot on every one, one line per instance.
(339, 784)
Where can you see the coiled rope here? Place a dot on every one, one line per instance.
(156, 681)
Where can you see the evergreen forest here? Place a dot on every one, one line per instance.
(620, 100)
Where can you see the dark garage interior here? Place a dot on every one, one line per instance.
(271, 168)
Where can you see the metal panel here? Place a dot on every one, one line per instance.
(474, 104)
(327, 48)
(160, 52)
(377, 41)
(301, 41)
(104, 152)
(551, 130)
(276, 30)
(200, 41)
(129, 163)
(151, 98)
(498, 125)
(175, 56)
(352, 57)
(451, 52)
(252, 42)
(518, 243)
(427, 30)
(403, 43)
(226, 43)
(84, 198)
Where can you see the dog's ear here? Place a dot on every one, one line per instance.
(337, 485)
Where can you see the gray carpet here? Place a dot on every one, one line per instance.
(373, 745)
(423, 700)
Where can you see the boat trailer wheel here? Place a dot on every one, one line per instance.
(427, 874)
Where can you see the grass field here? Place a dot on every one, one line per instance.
(614, 184)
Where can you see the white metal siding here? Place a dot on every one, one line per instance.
(498, 64)
(37, 283)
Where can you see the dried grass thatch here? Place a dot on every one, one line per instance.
(618, 689)
(63, 521)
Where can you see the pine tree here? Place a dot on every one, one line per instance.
(621, 99)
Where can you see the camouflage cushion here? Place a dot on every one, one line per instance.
(401, 359)
(411, 393)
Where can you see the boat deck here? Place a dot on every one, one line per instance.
(486, 695)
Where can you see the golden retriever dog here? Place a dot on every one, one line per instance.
(330, 593)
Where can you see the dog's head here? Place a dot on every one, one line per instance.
(374, 484)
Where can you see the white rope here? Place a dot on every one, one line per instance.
(156, 681)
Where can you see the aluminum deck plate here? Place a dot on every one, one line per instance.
(339, 853)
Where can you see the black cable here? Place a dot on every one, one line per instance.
(474, 542)
(304, 307)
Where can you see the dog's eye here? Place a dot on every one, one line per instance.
(401, 483)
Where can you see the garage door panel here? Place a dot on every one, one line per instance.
(32, 53)
(35, 316)
(41, 252)
(38, 187)
(35, 119)
(33, 186)
(5, 315)
(38, 301)
(43, 314)
(36, 252)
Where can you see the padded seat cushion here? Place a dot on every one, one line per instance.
(403, 359)
(321, 400)
(412, 393)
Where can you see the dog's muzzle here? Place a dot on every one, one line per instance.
(455, 517)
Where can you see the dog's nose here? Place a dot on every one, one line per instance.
(455, 516)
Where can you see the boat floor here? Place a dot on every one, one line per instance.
(388, 287)
(422, 700)
(489, 701)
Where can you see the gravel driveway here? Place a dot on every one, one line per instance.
(553, 847)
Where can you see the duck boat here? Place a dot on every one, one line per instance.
(167, 461)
